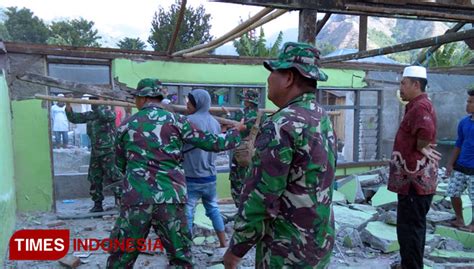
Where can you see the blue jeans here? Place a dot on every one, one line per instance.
(208, 193)
(58, 135)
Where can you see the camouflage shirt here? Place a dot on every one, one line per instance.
(286, 200)
(249, 115)
(149, 152)
(100, 128)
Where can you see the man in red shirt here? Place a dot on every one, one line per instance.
(414, 166)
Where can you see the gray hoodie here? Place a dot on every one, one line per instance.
(199, 163)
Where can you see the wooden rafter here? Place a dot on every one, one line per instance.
(394, 9)
(422, 43)
(237, 29)
(322, 22)
(177, 27)
(424, 56)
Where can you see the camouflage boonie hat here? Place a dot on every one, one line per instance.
(251, 96)
(148, 87)
(302, 56)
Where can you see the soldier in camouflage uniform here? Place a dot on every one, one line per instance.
(101, 131)
(249, 114)
(286, 199)
(149, 150)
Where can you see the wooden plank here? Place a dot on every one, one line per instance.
(96, 90)
(84, 101)
(307, 27)
(422, 43)
(363, 32)
(170, 107)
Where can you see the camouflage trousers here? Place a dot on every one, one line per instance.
(292, 252)
(102, 170)
(168, 221)
(236, 176)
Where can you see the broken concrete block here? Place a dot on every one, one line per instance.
(70, 261)
(442, 188)
(450, 244)
(216, 266)
(364, 208)
(199, 240)
(90, 228)
(218, 256)
(384, 197)
(351, 189)
(83, 168)
(351, 238)
(82, 254)
(338, 197)
(389, 217)
(200, 218)
(467, 209)
(450, 265)
(466, 238)
(439, 255)
(381, 236)
(439, 216)
(432, 241)
(346, 217)
(56, 223)
(369, 180)
(210, 239)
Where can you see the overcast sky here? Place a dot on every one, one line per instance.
(121, 18)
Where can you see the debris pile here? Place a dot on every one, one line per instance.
(364, 211)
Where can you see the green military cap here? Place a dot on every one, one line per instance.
(148, 87)
(251, 96)
(302, 56)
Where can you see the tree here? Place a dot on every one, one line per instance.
(76, 32)
(23, 26)
(4, 35)
(131, 44)
(251, 45)
(451, 54)
(194, 29)
(325, 48)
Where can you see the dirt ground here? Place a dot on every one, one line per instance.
(204, 253)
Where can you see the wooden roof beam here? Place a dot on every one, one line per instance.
(422, 43)
(424, 56)
(177, 26)
(409, 10)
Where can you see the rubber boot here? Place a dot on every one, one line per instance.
(97, 207)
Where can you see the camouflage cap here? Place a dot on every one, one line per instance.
(302, 56)
(251, 96)
(149, 87)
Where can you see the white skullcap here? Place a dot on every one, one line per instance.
(415, 72)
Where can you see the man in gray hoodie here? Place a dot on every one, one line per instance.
(199, 165)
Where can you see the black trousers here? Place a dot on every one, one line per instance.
(411, 228)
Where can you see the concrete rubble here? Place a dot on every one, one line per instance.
(365, 220)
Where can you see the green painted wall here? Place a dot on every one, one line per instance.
(34, 180)
(7, 183)
(130, 72)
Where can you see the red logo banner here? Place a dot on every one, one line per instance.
(39, 244)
